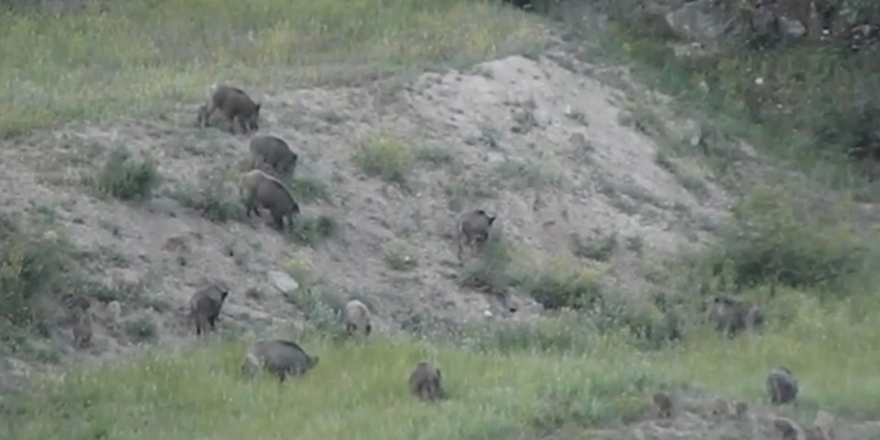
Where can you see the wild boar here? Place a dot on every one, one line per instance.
(259, 189)
(781, 385)
(734, 315)
(280, 357)
(235, 105)
(273, 152)
(357, 317)
(473, 228)
(82, 328)
(425, 382)
(205, 306)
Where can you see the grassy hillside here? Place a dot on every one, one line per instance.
(105, 58)
(808, 255)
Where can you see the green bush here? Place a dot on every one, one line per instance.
(564, 286)
(34, 273)
(772, 244)
(386, 156)
(308, 189)
(212, 200)
(311, 230)
(142, 329)
(490, 270)
(128, 178)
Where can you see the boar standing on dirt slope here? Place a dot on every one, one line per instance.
(424, 382)
(273, 152)
(781, 385)
(235, 105)
(259, 189)
(205, 305)
(357, 317)
(473, 227)
(733, 315)
(73, 302)
(279, 357)
(82, 328)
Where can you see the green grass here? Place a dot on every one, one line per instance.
(137, 57)
(497, 389)
(384, 155)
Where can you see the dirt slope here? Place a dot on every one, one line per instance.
(546, 148)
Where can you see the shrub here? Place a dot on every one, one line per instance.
(128, 178)
(142, 329)
(212, 200)
(770, 243)
(384, 155)
(309, 230)
(308, 190)
(322, 310)
(399, 257)
(34, 273)
(490, 271)
(564, 286)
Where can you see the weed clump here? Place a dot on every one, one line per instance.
(490, 271)
(563, 286)
(385, 156)
(35, 271)
(772, 244)
(125, 177)
(310, 231)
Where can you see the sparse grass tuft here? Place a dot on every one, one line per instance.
(308, 189)
(599, 248)
(212, 200)
(490, 269)
(435, 157)
(311, 230)
(399, 257)
(142, 329)
(126, 177)
(566, 285)
(529, 174)
(386, 156)
(321, 308)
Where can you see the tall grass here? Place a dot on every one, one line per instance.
(497, 390)
(137, 56)
(355, 392)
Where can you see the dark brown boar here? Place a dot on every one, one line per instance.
(425, 382)
(273, 152)
(205, 306)
(235, 105)
(259, 189)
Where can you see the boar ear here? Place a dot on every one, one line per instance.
(258, 107)
(492, 220)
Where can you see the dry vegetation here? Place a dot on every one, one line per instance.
(614, 228)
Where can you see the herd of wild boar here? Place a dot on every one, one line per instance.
(263, 187)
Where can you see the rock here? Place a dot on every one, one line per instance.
(702, 21)
(788, 429)
(792, 28)
(282, 281)
(823, 426)
(114, 312)
(692, 133)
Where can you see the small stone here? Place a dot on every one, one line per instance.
(693, 133)
(792, 28)
(282, 281)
